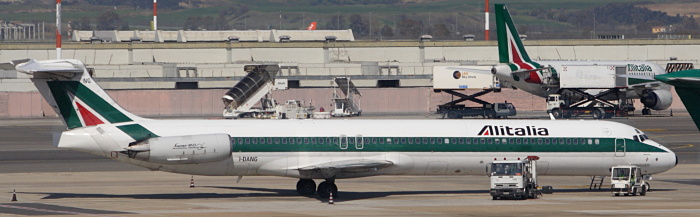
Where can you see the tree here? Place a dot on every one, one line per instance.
(410, 28)
(336, 22)
(358, 26)
(441, 30)
(109, 20)
(387, 31)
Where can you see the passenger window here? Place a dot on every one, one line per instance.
(518, 141)
(233, 141)
(498, 141)
(425, 140)
(489, 141)
(590, 141)
(532, 141)
(247, 140)
(269, 141)
(447, 141)
(526, 141)
(329, 140)
(277, 140)
(366, 140)
(546, 141)
(539, 141)
(597, 141)
(321, 140)
(299, 140)
(284, 140)
(561, 141)
(453, 141)
(432, 140)
(306, 140)
(555, 141)
(262, 141)
(313, 140)
(388, 140)
(417, 141)
(374, 140)
(511, 141)
(351, 140)
(468, 140)
(504, 141)
(335, 140)
(475, 141)
(482, 141)
(403, 140)
(240, 141)
(568, 141)
(461, 140)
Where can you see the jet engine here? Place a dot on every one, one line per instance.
(189, 149)
(657, 99)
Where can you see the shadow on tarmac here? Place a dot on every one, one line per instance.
(266, 192)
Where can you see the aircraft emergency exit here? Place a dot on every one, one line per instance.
(330, 149)
(601, 79)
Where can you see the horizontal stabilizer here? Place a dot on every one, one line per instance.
(62, 68)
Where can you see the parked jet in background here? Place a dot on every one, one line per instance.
(596, 78)
(312, 26)
(330, 149)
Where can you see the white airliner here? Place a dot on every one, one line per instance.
(541, 78)
(331, 149)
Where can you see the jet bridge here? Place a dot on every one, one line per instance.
(259, 81)
(344, 98)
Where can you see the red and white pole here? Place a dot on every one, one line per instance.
(155, 15)
(486, 29)
(58, 29)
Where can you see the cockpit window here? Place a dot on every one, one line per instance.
(636, 138)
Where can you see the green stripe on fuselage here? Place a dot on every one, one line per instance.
(433, 144)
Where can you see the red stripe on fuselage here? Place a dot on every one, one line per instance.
(89, 118)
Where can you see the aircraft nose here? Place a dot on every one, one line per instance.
(676, 155)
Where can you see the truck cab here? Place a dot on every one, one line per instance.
(514, 179)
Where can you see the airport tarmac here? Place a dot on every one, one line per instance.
(50, 181)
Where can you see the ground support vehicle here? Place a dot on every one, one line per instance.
(628, 180)
(514, 179)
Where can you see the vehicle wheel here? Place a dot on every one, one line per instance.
(306, 186)
(494, 197)
(634, 191)
(608, 116)
(491, 115)
(556, 113)
(597, 114)
(617, 195)
(566, 115)
(644, 191)
(646, 111)
(325, 189)
(626, 194)
(453, 115)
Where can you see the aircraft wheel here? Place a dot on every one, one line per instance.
(325, 189)
(644, 191)
(556, 113)
(306, 186)
(646, 111)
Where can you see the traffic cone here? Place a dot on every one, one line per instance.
(330, 199)
(14, 195)
(671, 112)
(192, 182)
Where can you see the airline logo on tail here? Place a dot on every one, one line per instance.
(312, 26)
(511, 49)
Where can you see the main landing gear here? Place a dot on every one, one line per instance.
(308, 187)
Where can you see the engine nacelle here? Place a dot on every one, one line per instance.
(657, 99)
(189, 149)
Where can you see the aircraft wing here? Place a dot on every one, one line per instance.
(330, 169)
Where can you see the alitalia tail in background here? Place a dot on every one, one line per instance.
(330, 149)
(542, 78)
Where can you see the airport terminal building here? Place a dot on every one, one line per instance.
(172, 77)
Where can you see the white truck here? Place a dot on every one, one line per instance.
(628, 180)
(514, 179)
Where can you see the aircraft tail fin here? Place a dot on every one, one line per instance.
(510, 47)
(687, 84)
(69, 89)
(312, 26)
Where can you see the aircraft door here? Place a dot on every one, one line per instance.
(620, 79)
(359, 142)
(343, 142)
(620, 147)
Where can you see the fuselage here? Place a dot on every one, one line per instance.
(415, 147)
(636, 68)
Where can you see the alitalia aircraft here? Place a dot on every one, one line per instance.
(542, 78)
(330, 149)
